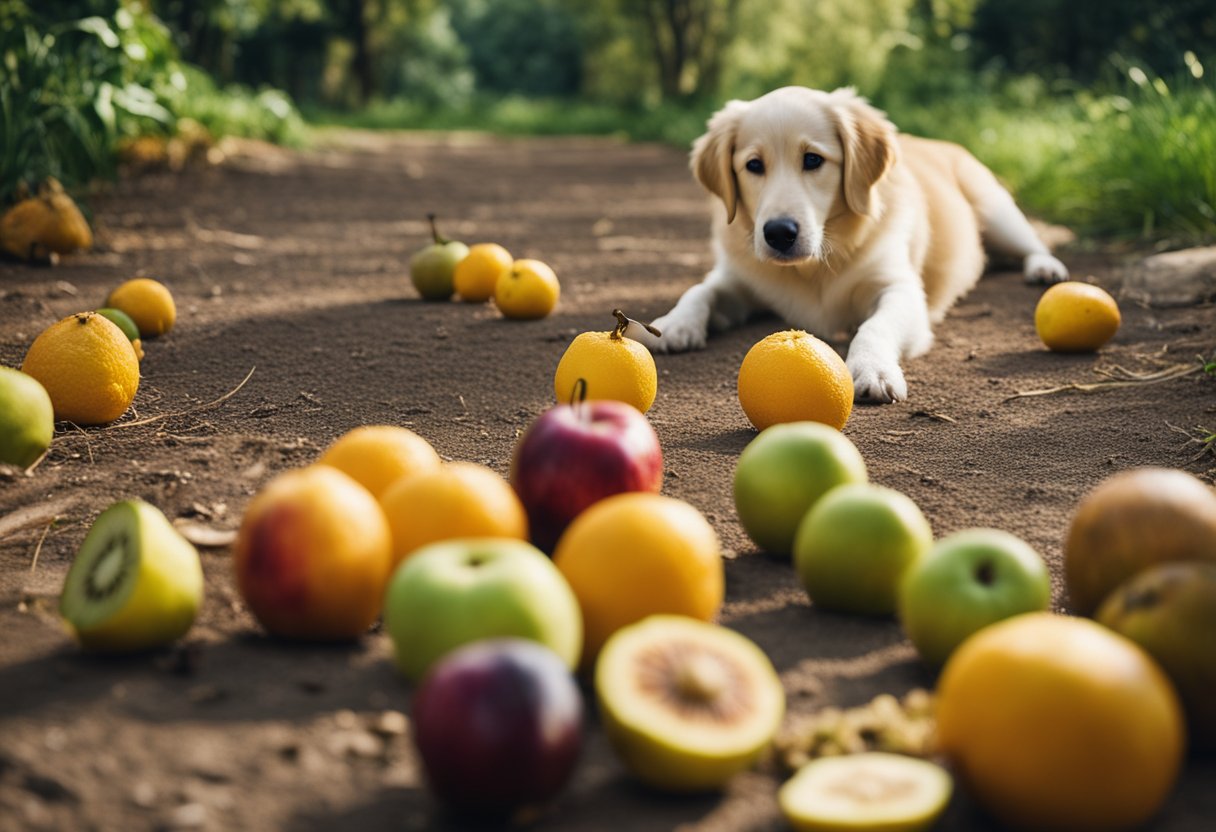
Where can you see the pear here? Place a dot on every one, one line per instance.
(1170, 611)
(431, 269)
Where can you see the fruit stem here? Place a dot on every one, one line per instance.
(435, 235)
(622, 324)
(986, 573)
(578, 398)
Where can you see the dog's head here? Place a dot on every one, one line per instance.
(790, 161)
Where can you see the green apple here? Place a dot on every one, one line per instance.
(853, 547)
(457, 591)
(1170, 611)
(783, 471)
(431, 269)
(27, 420)
(967, 581)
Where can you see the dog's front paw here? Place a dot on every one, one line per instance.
(678, 334)
(877, 380)
(1044, 268)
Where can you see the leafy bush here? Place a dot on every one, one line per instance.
(70, 91)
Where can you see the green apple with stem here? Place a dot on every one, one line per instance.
(457, 591)
(967, 581)
(431, 269)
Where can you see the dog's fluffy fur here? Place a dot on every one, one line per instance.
(889, 230)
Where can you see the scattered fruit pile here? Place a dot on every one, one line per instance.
(523, 289)
(496, 593)
(82, 369)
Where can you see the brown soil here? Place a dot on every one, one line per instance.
(295, 263)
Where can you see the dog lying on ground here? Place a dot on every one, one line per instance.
(828, 217)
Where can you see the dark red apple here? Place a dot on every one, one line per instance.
(575, 455)
(498, 724)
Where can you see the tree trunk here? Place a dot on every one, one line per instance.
(361, 64)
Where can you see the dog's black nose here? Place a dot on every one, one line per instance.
(781, 233)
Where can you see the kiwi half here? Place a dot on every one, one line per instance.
(686, 704)
(135, 583)
(869, 792)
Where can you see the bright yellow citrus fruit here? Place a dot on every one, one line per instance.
(613, 367)
(87, 366)
(634, 555)
(792, 376)
(1076, 317)
(1057, 723)
(376, 456)
(454, 499)
(527, 290)
(476, 275)
(148, 303)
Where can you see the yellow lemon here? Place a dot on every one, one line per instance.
(611, 365)
(476, 275)
(148, 303)
(1076, 317)
(376, 456)
(792, 376)
(637, 554)
(527, 290)
(87, 366)
(455, 499)
(1057, 723)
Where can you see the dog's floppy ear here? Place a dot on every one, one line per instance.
(868, 139)
(712, 154)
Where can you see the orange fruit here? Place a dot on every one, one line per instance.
(476, 275)
(611, 365)
(148, 303)
(527, 290)
(1057, 723)
(454, 499)
(634, 555)
(87, 366)
(376, 456)
(1076, 317)
(792, 376)
(312, 555)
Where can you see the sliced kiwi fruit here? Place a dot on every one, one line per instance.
(869, 792)
(686, 704)
(136, 582)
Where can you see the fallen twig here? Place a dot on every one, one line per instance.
(38, 548)
(189, 410)
(1205, 438)
(1117, 377)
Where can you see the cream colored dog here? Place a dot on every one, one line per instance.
(830, 219)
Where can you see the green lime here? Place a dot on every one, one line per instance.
(122, 320)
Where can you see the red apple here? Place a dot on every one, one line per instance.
(498, 724)
(575, 455)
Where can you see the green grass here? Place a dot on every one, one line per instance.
(1139, 165)
(516, 115)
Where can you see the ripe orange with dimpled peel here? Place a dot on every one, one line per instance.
(88, 367)
(792, 376)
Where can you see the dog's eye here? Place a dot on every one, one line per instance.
(754, 166)
(811, 161)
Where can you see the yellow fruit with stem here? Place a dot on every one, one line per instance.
(611, 365)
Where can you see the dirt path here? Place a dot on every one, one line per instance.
(295, 264)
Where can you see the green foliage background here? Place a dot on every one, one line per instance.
(1099, 113)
